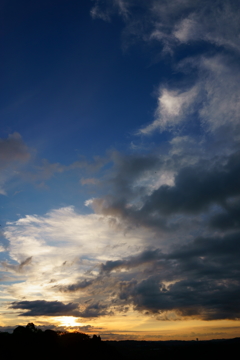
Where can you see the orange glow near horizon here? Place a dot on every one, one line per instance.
(141, 327)
(136, 326)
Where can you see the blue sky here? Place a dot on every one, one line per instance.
(119, 166)
(70, 90)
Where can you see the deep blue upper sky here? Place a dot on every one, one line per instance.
(67, 83)
(70, 86)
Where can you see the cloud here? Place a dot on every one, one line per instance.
(138, 196)
(104, 10)
(228, 218)
(18, 161)
(173, 107)
(163, 238)
(45, 308)
(196, 188)
(145, 257)
(213, 100)
(64, 250)
(197, 26)
(174, 23)
(209, 91)
(89, 181)
(187, 30)
(17, 268)
(77, 286)
(13, 149)
(205, 300)
(220, 83)
(43, 170)
(57, 308)
(95, 310)
(190, 277)
(199, 280)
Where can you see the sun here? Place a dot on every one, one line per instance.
(68, 321)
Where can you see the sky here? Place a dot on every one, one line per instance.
(120, 167)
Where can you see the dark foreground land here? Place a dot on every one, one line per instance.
(31, 343)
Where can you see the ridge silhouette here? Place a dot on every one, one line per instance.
(29, 342)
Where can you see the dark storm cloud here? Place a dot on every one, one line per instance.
(127, 181)
(205, 299)
(130, 168)
(196, 188)
(215, 248)
(45, 308)
(77, 286)
(57, 308)
(147, 256)
(200, 279)
(227, 220)
(94, 310)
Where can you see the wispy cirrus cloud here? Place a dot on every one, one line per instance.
(13, 149)
(174, 23)
(214, 98)
(18, 161)
(173, 108)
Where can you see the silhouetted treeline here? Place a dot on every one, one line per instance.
(29, 342)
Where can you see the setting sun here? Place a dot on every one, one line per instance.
(68, 321)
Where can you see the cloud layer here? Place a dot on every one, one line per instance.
(160, 235)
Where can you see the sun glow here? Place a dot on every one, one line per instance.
(69, 321)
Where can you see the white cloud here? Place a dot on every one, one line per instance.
(89, 181)
(215, 98)
(104, 10)
(215, 95)
(97, 13)
(64, 247)
(173, 106)
(175, 22)
(221, 84)
(154, 179)
(186, 30)
(89, 202)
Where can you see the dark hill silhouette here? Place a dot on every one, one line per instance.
(29, 342)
